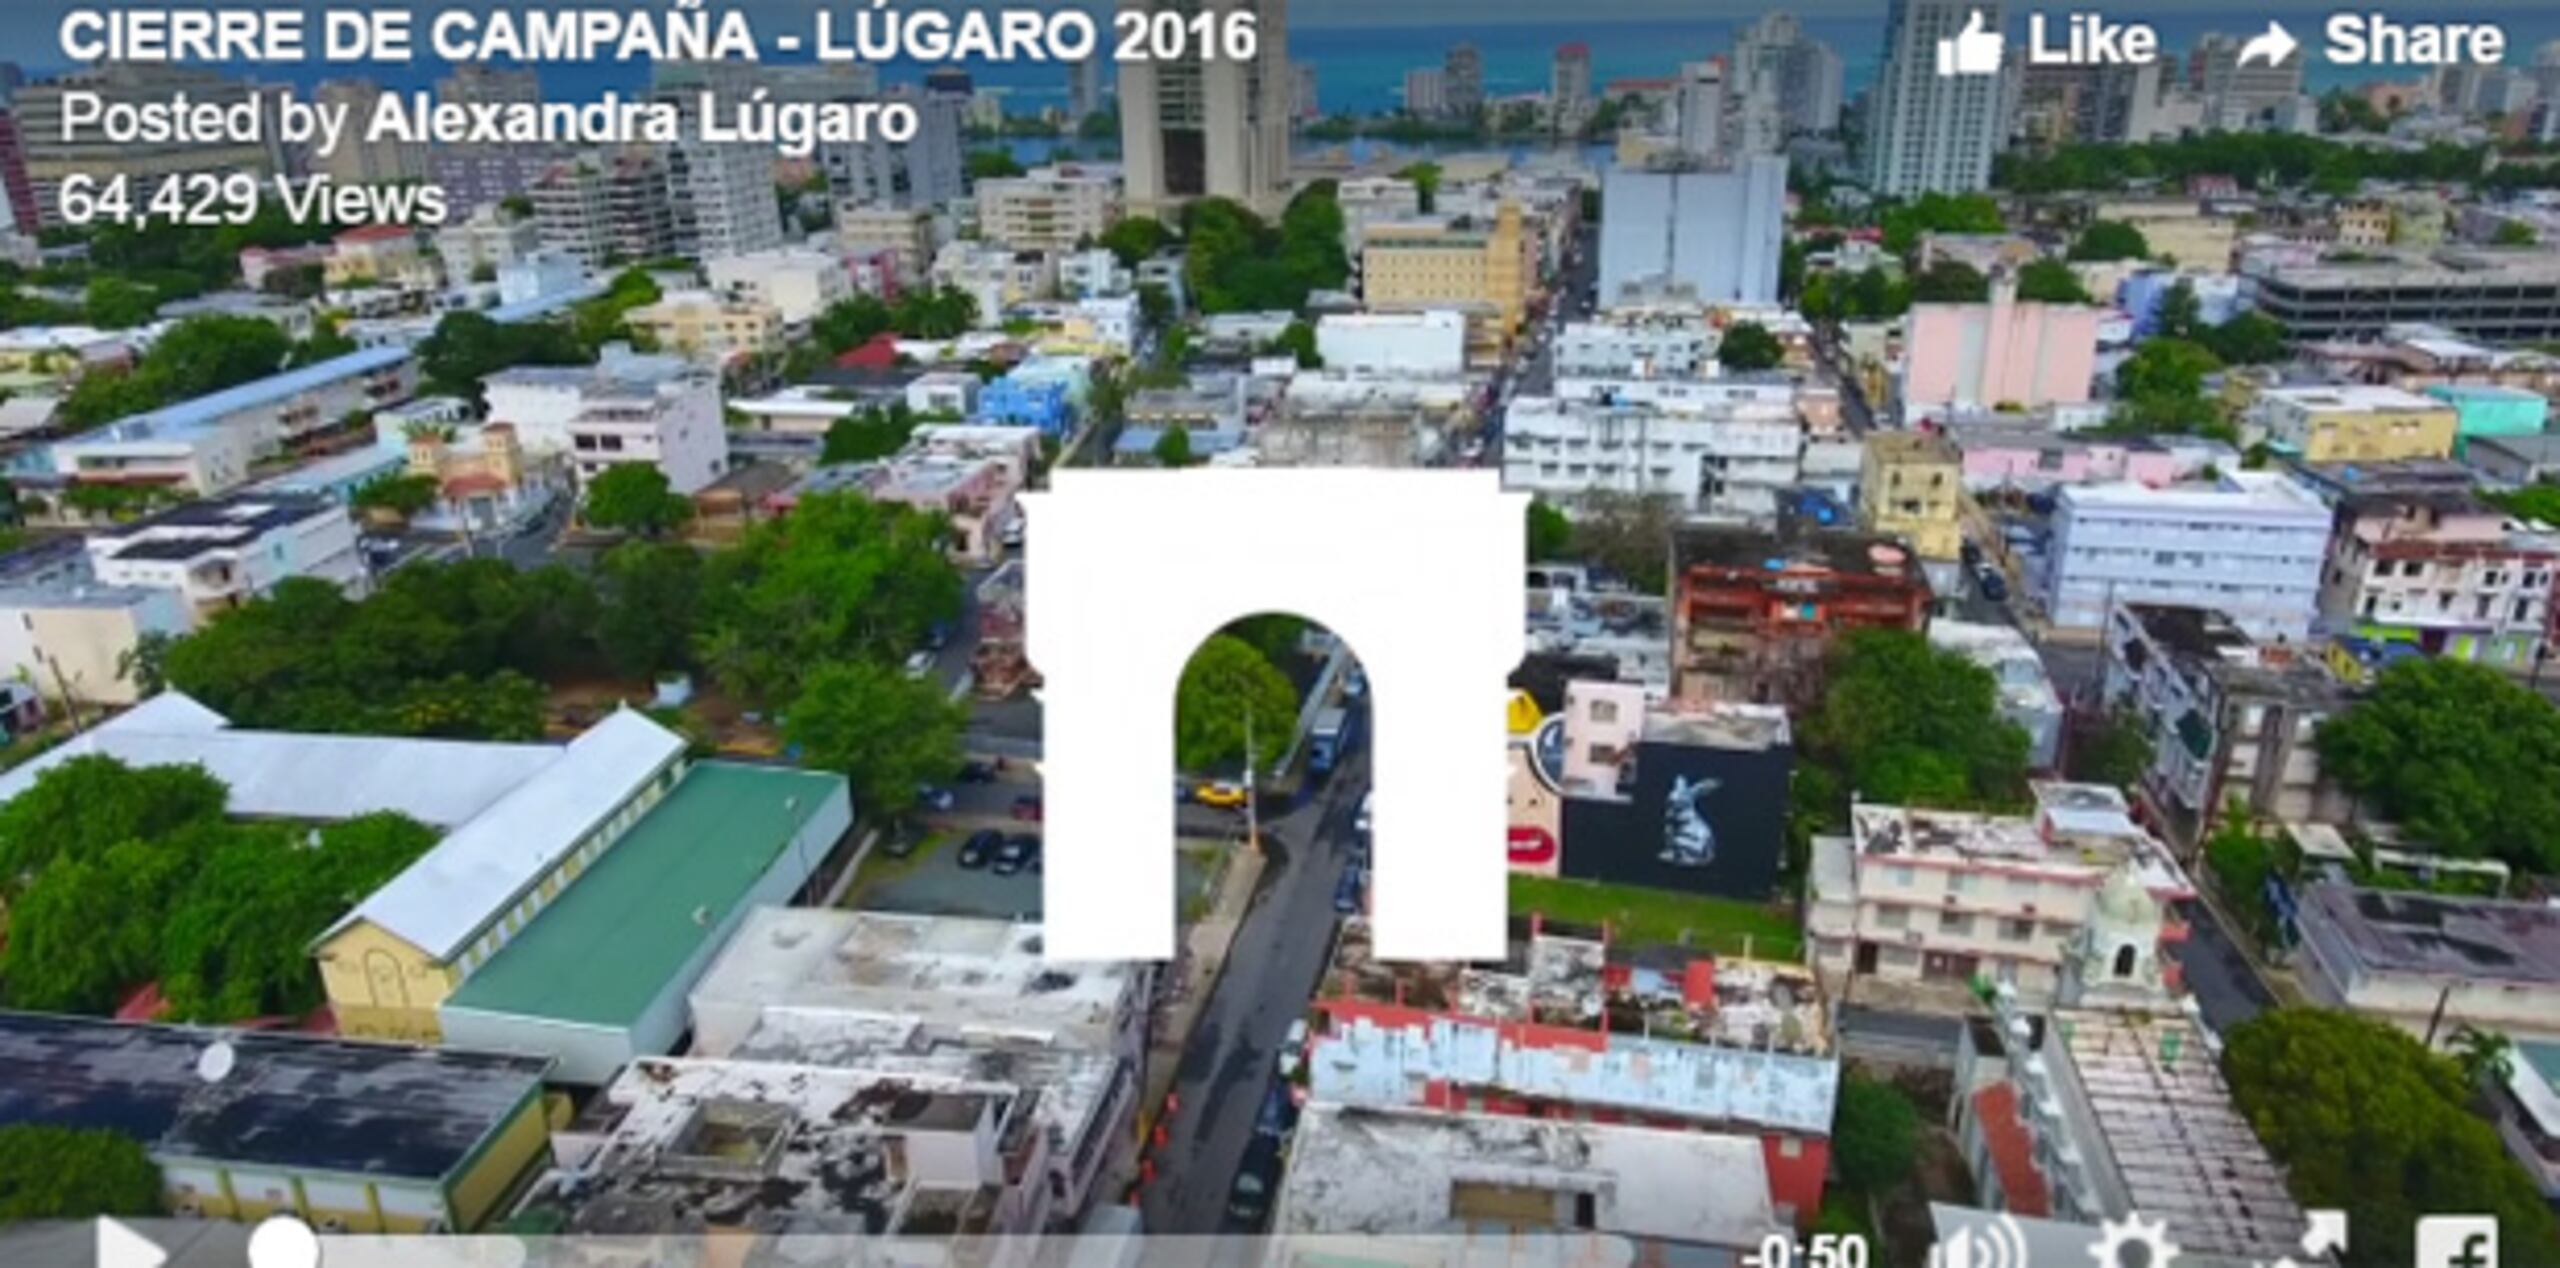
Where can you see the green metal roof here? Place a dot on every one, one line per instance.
(602, 951)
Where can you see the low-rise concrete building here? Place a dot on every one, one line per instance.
(2354, 423)
(1722, 448)
(2037, 460)
(1754, 613)
(1911, 486)
(206, 445)
(796, 282)
(2444, 572)
(2489, 410)
(77, 639)
(2432, 964)
(1428, 342)
(2250, 544)
(2516, 460)
(1050, 208)
(709, 328)
(625, 408)
(223, 552)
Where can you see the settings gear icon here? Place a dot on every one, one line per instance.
(2135, 1243)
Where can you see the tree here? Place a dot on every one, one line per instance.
(1747, 346)
(1227, 682)
(842, 578)
(887, 733)
(2459, 755)
(74, 1173)
(235, 941)
(2160, 388)
(2180, 316)
(634, 497)
(468, 347)
(1425, 176)
(1951, 282)
(2252, 338)
(991, 164)
(400, 495)
(2110, 240)
(327, 342)
(1134, 240)
(1173, 448)
(1234, 262)
(1912, 724)
(2052, 282)
(649, 598)
(1297, 339)
(869, 435)
(1875, 1134)
(2514, 233)
(1550, 531)
(1628, 534)
(2483, 1055)
(114, 303)
(1939, 213)
(2532, 502)
(88, 928)
(1155, 305)
(80, 807)
(2364, 1118)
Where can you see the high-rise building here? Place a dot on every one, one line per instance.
(1426, 92)
(1813, 87)
(1219, 127)
(476, 175)
(1928, 132)
(1701, 105)
(50, 158)
(2238, 97)
(1783, 82)
(17, 193)
(1707, 235)
(359, 159)
(475, 84)
(1569, 87)
(1085, 87)
(924, 170)
(1464, 69)
(606, 211)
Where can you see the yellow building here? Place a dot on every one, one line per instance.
(2365, 224)
(2355, 423)
(1484, 271)
(348, 1137)
(1911, 485)
(705, 327)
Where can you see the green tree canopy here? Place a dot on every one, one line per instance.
(1135, 239)
(2365, 1119)
(649, 601)
(1748, 345)
(1226, 682)
(2514, 233)
(2052, 282)
(869, 434)
(841, 578)
(2110, 240)
(1173, 448)
(1875, 1134)
(1425, 176)
(1550, 531)
(1235, 262)
(195, 357)
(1938, 213)
(2251, 338)
(888, 733)
(468, 347)
(400, 494)
(634, 497)
(2532, 502)
(74, 1173)
(116, 303)
(2459, 755)
(2257, 160)
(1951, 282)
(991, 164)
(2160, 388)
(2181, 315)
(1297, 340)
(80, 807)
(1912, 724)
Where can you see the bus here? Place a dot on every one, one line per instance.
(1331, 739)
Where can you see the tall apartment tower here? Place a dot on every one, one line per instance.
(1701, 107)
(1464, 68)
(1929, 132)
(1209, 127)
(1569, 87)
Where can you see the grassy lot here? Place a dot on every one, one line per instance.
(879, 869)
(1661, 916)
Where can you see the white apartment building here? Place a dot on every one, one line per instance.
(997, 277)
(1928, 132)
(1720, 449)
(708, 327)
(2250, 544)
(2446, 572)
(722, 194)
(923, 172)
(1049, 208)
(1710, 236)
(486, 243)
(1938, 899)
(1424, 343)
(1369, 200)
(205, 445)
(797, 282)
(76, 638)
(1094, 273)
(540, 275)
(944, 392)
(627, 407)
(222, 552)
(1669, 343)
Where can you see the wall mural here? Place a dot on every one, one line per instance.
(1536, 833)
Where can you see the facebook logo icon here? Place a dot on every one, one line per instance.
(2458, 1241)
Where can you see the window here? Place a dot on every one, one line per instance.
(2017, 930)
(1889, 916)
(1898, 875)
(1604, 710)
(1956, 923)
(1959, 882)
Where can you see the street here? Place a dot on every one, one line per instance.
(1271, 972)
(2225, 987)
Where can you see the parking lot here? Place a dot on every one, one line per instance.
(932, 882)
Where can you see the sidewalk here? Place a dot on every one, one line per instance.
(1187, 985)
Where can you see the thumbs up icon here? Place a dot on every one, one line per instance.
(1971, 51)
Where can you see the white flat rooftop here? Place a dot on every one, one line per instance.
(1380, 1172)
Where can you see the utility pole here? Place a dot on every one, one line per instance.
(1252, 794)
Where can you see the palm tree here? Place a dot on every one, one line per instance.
(2483, 1055)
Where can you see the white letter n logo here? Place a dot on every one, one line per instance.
(1128, 571)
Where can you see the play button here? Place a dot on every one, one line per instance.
(121, 1247)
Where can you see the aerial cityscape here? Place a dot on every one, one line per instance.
(2035, 747)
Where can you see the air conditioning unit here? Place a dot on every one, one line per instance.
(332, 1224)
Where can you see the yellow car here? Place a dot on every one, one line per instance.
(1221, 794)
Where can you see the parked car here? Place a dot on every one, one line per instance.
(1220, 794)
(933, 798)
(980, 848)
(1993, 586)
(1027, 808)
(1346, 892)
(1971, 553)
(1249, 1202)
(976, 772)
(1279, 1112)
(919, 664)
(1017, 853)
(1293, 1048)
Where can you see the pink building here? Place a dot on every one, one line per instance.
(1965, 358)
(2034, 459)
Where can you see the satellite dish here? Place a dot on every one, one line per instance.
(215, 1063)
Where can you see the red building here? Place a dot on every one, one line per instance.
(1754, 612)
(13, 175)
(1575, 1028)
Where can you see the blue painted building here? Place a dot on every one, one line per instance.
(2482, 409)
